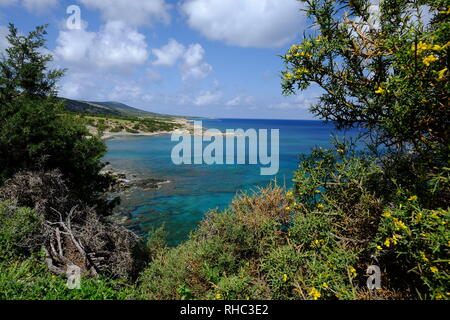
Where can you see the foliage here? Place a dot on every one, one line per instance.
(16, 224)
(70, 231)
(23, 71)
(29, 279)
(253, 250)
(415, 241)
(34, 134)
(384, 68)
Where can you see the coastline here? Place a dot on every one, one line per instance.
(123, 134)
(187, 127)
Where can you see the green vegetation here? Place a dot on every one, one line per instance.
(34, 134)
(107, 109)
(30, 279)
(128, 124)
(26, 276)
(384, 204)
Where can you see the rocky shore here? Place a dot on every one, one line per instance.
(125, 181)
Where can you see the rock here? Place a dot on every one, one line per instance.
(148, 183)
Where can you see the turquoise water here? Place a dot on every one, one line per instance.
(195, 189)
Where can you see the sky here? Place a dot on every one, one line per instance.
(211, 58)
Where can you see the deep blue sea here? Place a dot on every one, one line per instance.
(195, 189)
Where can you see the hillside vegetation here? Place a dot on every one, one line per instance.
(107, 109)
(135, 125)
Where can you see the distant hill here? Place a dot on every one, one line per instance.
(107, 108)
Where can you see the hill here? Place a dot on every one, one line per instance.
(109, 108)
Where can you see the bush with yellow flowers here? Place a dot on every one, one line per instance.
(382, 67)
(414, 243)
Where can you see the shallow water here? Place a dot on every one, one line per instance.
(194, 189)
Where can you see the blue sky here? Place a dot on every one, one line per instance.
(215, 58)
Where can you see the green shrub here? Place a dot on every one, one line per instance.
(16, 225)
(259, 248)
(413, 243)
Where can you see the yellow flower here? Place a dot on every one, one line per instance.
(317, 191)
(437, 47)
(317, 242)
(285, 277)
(441, 74)
(387, 214)
(305, 54)
(287, 208)
(325, 285)
(421, 46)
(424, 257)
(445, 12)
(352, 271)
(434, 269)
(400, 224)
(412, 198)
(218, 296)
(381, 90)
(387, 242)
(315, 294)
(379, 248)
(395, 237)
(320, 205)
(428, 60)
(287, 75)
(301, 70)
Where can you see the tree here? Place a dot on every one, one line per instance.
(382, 67)
(23, 71)
(35, 133)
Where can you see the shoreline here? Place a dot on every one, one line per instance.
(188, 127)
(114, 135)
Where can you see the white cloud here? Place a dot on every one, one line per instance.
(234, 102)
(78, 85)
(247, 23)
(241, 100)
(134, 12)
(208, 98)
(299, 102)
(106, 86)
(126, 91)
(189, 59)
(115, 45)
(169, 54)
(193, 65)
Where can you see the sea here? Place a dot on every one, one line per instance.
(192, 190)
